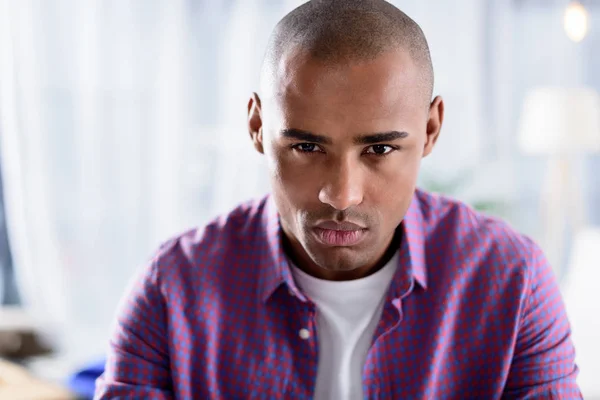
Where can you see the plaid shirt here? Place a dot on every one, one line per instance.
(473, 312)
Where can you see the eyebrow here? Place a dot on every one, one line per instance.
(374, 138)
(305, 136)
(371, 138)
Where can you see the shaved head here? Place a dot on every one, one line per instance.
(344, 118)
(349, 31)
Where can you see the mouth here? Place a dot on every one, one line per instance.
(339, 234)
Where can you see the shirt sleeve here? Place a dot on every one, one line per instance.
(543, 365)
(138, 361)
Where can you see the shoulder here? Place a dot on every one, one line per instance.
(486, 245)
(206, 252)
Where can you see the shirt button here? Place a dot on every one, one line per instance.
(304, 334)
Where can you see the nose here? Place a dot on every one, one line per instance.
(342, 188)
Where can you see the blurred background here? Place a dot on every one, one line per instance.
(122, 123)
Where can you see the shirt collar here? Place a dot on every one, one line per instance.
(275, 270)
(273, 267)
(411, 259)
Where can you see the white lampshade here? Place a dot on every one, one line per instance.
(559, 120)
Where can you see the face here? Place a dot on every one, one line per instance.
(344, 146)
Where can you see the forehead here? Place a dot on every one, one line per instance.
(387, 87)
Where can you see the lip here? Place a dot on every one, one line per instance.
(339, 234)
(339, 226)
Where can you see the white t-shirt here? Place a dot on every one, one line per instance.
(347, 314)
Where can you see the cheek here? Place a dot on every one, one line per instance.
(397, 175)
(294, 180)
(292, 191)
(390, 190)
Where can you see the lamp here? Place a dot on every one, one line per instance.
(576, 21)
(560, 120)
(563, 124)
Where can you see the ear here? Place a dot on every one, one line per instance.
(255, 122)
(434, 124)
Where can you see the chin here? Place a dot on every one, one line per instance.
(337, 259)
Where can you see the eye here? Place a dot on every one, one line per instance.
(307, 148)
(380, 149)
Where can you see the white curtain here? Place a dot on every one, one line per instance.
(122, 122)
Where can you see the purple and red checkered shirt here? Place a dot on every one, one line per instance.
(473, 312)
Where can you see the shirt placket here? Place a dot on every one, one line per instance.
(306, 344)
(375, 385)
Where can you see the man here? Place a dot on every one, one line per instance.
(346, 282)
